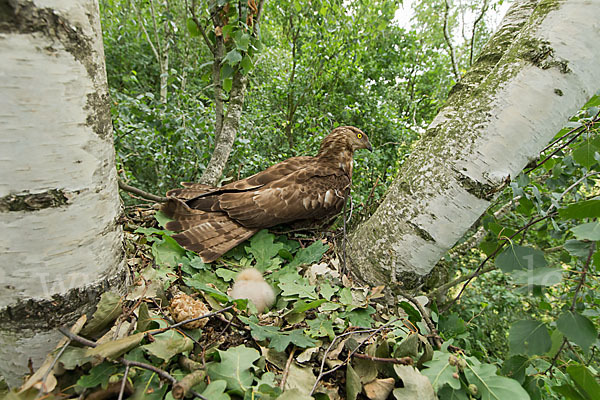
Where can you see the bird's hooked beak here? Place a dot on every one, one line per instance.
(369, 147)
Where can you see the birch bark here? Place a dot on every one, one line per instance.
(537, 70)
(61, 244)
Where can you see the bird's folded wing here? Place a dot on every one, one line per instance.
(286, 200)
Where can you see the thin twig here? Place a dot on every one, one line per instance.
(177, 325)
(449, 42)
(437, 341)
(493, 254)
(401, 361)
(581, 129)
(123, 383)
(42, 389)
(586, 267)
(373, 333)
(162, 373)
(286, 371)
(140, 192)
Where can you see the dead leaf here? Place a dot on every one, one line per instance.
(379, 389)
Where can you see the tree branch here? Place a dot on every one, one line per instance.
(449, 41)
(477, 20)
(140, 192)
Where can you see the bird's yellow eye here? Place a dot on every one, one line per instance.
(359, 135)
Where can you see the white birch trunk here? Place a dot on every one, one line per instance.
(61, 244)
(537, 71)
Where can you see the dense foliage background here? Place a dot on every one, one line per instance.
(320, 64)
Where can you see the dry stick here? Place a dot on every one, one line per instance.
(183, 387)
(400, 361)
(163, 374)
(286, 371)
(373, 333)
(123, 383)
(177, 325)
(437, 341)
(139, 192)
(50, 368)
(581, 129)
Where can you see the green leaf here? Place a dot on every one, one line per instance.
(216, 391)
(515, 368)
(247, 63)
(227, 84)
(144, 319)
(233, 57)
(148, 386)
(360, 317)
(529, 337)
(192, 27)
(447, 393)
(413, 314)
(569, 392)
(115, 348)
(302, 306)
(353, 385)
(263, 248)
(226, 274)
(517, 257)
(108, 309)
(297, 337)
(492, 386)
(74, 357)
(321, 326)
(310, 254)
(546, 276)
(98, 375)
(167, 252)
(278, 340)
(235, 368)
(294, 285)
(162, 220)
(584, 154)
(452, 325)
(168, 344)
(577, 328)
(440, 372)
(582, 209)
(416, 386)
(585, 380)
(577, 248)
(242, 42)
(215, 293)
(589, 231)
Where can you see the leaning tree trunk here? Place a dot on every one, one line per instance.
(536, 72)
(61, 244)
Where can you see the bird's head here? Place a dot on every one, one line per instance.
(354, 137)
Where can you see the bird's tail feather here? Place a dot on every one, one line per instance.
(210, 234)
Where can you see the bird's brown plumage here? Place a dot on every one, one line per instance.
(306, 189)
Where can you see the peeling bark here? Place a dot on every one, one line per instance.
(498, 118)
(59, 204)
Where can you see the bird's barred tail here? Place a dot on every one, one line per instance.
(210, 234)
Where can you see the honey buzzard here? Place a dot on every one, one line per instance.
(300, 189)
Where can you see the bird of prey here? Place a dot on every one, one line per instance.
(302, 189)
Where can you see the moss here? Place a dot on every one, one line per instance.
(33, 202)
(480, 190)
